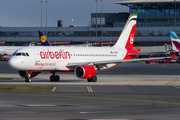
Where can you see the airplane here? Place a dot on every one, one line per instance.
(85, 62)
(175, 44)
(4, 50)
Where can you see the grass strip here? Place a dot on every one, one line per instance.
(6, 78)
(25, 88)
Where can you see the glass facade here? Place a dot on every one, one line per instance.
(155, 10)
(99, 21)
(157, 15)
(139, 33)
(60, 34)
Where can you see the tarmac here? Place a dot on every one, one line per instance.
(128, 92)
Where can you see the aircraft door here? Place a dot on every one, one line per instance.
(37, 56)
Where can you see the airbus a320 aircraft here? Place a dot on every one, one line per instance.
(175, 44)
(83, 61)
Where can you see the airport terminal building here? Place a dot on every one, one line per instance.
(155, 19)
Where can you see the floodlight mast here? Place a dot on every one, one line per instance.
(46, 16)
(41, 13)
(96, 19)
(175, 17)
(101, 22)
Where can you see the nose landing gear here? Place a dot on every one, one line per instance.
(28, 80)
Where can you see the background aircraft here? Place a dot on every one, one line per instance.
(85, 62)
(11, 49)
(175, 44)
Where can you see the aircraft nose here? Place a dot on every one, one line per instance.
(13, 63)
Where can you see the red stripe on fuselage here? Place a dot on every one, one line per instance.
(50, 70)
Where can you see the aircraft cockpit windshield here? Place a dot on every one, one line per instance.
(20, 54)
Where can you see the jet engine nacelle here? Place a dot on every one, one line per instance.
(24, 74)
(85, 71)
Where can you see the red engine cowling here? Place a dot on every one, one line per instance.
(24, 74)
(85, 71)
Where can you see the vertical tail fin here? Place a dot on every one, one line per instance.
(43, 39)
(175, 41)
(126, 39)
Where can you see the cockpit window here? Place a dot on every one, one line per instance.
(23, 54)
(20, 54)
(27, 54)
(15, 53)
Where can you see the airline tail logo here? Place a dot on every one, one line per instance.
(130, 42)
(132, 39)
(175, 41)
(43, 39)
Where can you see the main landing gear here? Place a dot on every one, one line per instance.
(54, 78)
(93, 79)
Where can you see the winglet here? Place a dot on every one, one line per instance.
(43, 39)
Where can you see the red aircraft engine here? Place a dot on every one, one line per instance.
(85, 71)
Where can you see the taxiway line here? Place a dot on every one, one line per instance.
(89, 89)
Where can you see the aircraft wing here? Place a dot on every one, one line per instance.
(148, 53)
(112, 61)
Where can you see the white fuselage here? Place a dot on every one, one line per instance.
(57, 58)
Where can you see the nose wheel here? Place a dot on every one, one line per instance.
(54, 78)
(28, 80)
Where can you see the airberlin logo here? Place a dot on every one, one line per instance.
(43, 39)
(132, 39)
(61, 54)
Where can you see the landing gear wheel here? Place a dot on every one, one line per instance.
(94, 79)
(52, 78)
(27, 80)
(89, 79)
(56, 78)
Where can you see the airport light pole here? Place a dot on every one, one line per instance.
(96, 19)
(101, 21)
(175, 17)
(46, 16)
(41, 13)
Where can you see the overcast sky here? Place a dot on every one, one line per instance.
(27, 13)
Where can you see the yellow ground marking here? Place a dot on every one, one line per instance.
(89, 89)
(171, 83)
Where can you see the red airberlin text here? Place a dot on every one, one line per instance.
(61, 54)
